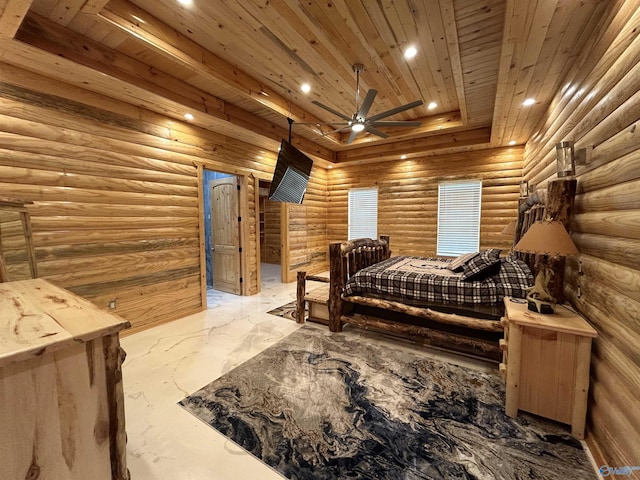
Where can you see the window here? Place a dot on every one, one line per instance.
(459, 217)
(363, 213)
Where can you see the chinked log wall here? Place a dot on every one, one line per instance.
(599, 109)
(408, 196)
(116, 200)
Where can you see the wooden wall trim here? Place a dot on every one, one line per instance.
(201, 238)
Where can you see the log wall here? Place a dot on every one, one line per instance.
(307, 245)
(599, 109)
(116, 198)
(408, 196)
(271, 247)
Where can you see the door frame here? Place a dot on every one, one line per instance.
(243, 179)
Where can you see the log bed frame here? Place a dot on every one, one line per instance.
(426, 326)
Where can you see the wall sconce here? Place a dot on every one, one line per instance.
(524, 188)
(566, 159)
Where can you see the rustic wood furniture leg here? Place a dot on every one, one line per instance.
(300, 293)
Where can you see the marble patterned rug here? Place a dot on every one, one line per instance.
(318, 405)
(288, 310)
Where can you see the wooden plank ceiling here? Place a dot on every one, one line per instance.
(237, 67)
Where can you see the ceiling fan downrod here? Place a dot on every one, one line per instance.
(358, 67)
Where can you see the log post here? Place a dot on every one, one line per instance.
(300, 293)
(387, 252)
(336, 284)
(560, 199)
(114, 356)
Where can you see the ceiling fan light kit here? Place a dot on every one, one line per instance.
(359, 121)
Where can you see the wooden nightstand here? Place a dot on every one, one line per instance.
(546, 360)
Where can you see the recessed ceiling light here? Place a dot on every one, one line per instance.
(410, 52)
(188, 116)
(305, 87)
(432, 105)
(403, 157)
(185, 2)
(528, 102)
(512, 142)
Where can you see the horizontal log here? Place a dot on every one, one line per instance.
(79, 209)
(50, 239)
(625, 196)
(446, 318)
(153, 314)
(72, 223)
(469, 345)
(623, 224)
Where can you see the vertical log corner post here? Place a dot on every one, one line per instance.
(336, 285)
(560, 200)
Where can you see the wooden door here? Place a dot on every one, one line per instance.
(225, 234)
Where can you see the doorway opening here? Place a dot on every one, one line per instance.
(270, 231)
(222, 233)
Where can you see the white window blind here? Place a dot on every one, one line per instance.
(459, 217)
(363, 213)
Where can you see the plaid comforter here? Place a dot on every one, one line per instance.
(388, 279)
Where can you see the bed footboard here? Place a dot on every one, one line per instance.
(345, 259)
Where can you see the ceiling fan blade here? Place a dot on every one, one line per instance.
(339, 130)
(366, 104)
(352, 137)
(321, 123)
(375, 131)
(384, 123)
(393, 111)
(329, 109)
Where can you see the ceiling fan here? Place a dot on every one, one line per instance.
(359, 120)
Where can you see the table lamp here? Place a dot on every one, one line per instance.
(548, 238)
(510, 229)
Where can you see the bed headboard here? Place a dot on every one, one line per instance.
(363, 252)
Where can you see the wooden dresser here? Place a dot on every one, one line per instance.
(546, 359)
(61, 397)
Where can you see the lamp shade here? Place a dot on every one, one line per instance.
(509, 229)
(547, 238)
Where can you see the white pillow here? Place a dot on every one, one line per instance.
(457, 264)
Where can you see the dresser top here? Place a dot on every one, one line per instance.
(38, 317)
(562, 320)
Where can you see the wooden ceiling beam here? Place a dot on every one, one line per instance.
(12, 16)
(176, 47)
(417, 147)
(451, 32)
(157, 91)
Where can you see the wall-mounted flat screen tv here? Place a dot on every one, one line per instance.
(291, 175)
